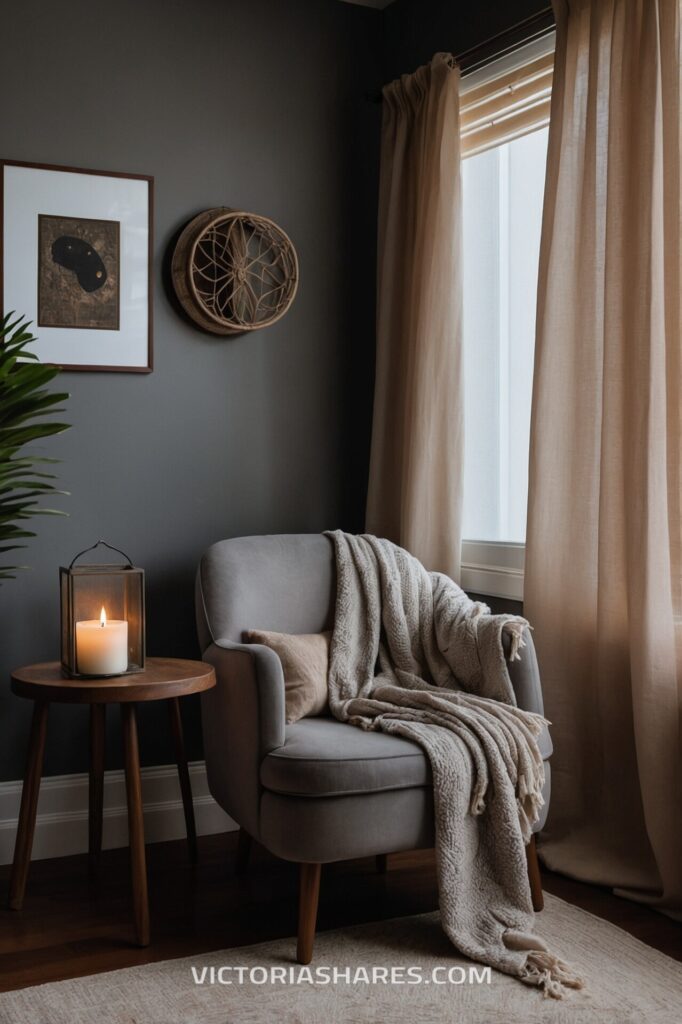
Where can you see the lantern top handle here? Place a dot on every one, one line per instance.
(102, 543)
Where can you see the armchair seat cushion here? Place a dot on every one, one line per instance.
(322, 757)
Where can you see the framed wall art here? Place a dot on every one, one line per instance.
(76, 259)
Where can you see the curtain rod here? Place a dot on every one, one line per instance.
(525, 31)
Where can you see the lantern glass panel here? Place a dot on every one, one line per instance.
(85, 591)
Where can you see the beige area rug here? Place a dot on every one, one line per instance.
(627, 983)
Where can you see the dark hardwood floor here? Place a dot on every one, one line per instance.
(73, 926)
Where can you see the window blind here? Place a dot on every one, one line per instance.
(508, 106)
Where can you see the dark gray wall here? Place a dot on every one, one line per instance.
(416, 29)
(258, 104)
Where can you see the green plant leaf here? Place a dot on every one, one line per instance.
(26, 408)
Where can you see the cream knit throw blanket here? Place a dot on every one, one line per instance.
(412, 655)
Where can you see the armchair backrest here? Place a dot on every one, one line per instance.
(284, 583)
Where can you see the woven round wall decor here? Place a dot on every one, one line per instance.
(234, 271)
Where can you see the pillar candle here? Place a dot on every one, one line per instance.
(102, 646)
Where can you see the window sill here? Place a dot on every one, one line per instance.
(493, 568)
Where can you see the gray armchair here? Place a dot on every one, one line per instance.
(318, 790)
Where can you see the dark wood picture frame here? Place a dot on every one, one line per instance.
(96, 368)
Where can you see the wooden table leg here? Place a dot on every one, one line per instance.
(183, 773)
(29, 805)
(96, 808)
(135, 824)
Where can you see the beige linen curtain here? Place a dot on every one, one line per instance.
(416, 471)
(603, 556)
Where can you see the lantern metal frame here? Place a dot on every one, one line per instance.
(83, 588)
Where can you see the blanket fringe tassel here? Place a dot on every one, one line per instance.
(550, 974)
(514, 629)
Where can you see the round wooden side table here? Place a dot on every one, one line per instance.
(162, 679)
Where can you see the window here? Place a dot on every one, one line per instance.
(505, 111)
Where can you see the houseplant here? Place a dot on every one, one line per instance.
(25, 401)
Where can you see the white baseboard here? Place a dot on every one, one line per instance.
(62, 821)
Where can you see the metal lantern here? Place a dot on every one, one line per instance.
(102, 614)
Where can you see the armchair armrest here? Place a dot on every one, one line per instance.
(243, 720)
(257, 667)
(525, 678)
(525, 674)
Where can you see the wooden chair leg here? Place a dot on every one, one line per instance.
(135, 825)
(309, 894)
(96, 793)
(243, 851)
(382, 863)
(534, 877)
(29, 806)
(183, 775)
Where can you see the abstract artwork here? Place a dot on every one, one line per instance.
(76, 259)
(78, 272)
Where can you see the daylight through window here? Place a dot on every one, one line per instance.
(504, 129)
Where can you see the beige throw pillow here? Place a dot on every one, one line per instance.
(305, 659)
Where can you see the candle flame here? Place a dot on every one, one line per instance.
(102, 618)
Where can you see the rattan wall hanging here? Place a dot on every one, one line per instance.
(234, 271)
